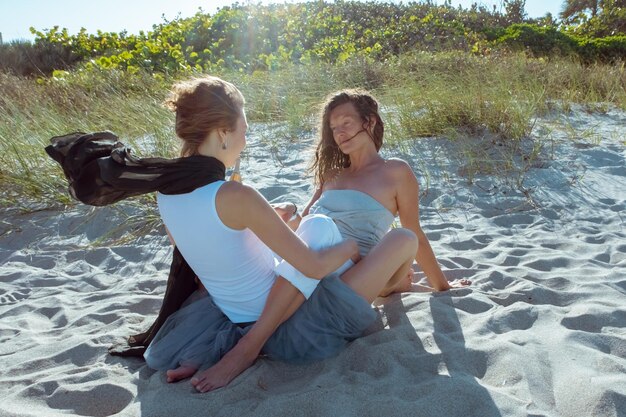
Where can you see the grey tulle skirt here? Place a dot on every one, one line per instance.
(199, 334)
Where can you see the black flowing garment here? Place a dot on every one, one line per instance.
(101, 171)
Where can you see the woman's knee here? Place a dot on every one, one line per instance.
(404, 238)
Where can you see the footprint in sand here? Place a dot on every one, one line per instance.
(595, 321)
(474, 243)
(549, 264)
(537, 295)
(105, 400)
(514, 317)
(510, 220)
(12, 297)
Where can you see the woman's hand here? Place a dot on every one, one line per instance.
(285, 210)
(240, 207)
(354, 247)
(289, 213)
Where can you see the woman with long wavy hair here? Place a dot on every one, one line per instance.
(364, 192)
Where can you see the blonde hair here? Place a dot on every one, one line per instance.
(202, 105)
(328, 157)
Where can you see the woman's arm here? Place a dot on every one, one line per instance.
(407, 197)
(241, 207)
(316, 196)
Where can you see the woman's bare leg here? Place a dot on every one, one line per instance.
(388, 262)
(399, 283)
(283, 300)
(390, 259)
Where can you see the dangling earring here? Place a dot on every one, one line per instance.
(223, 136)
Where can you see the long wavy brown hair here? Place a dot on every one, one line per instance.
(202, 105)
(328, 157)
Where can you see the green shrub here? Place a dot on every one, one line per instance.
(249, 38)
(269, 37)
(538, 40)
(608, 49)
(542, 41)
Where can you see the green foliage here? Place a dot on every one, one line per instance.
(256, 37)
(548, 41)
(578, 10)
(250, 38)
(595, 18)
(539, 41)
(602, 49)
(515, 10)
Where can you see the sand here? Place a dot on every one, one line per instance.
(541, 331)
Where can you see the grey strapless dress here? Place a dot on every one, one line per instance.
(358, 216)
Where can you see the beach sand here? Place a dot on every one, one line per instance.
(541, 331)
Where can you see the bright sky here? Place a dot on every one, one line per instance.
(16, 16)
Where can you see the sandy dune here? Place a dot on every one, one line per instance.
(541, 332)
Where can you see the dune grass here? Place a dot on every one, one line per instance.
(35, 110)
(455, 95)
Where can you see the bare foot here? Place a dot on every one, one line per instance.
(179, 373)
(403, 285)
(138, 339)
(232, 364)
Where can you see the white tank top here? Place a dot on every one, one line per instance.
(234, 265)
